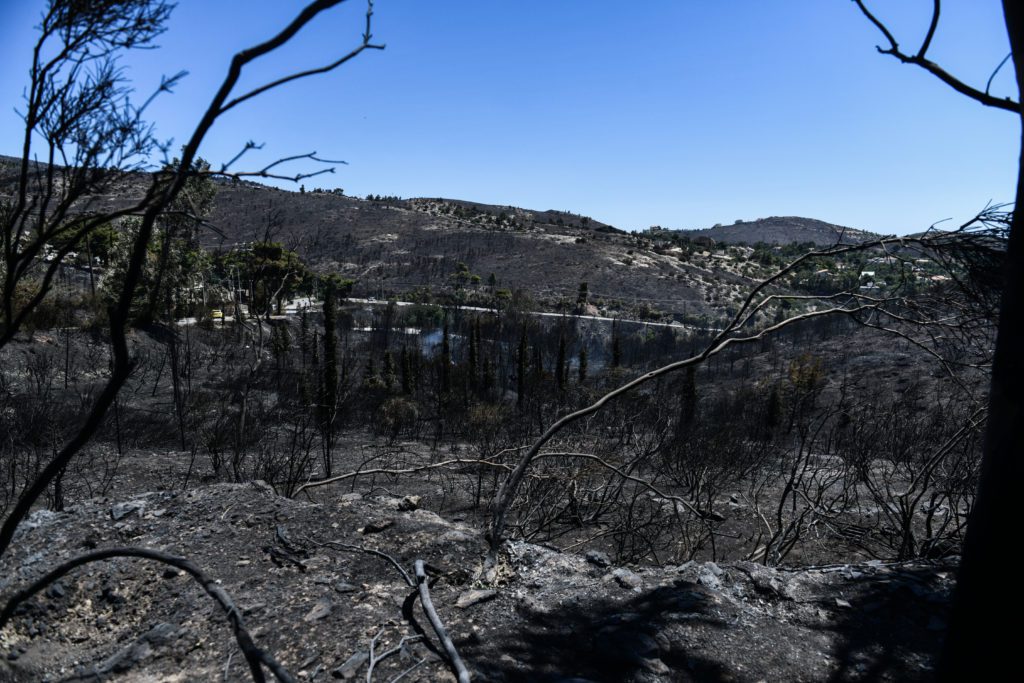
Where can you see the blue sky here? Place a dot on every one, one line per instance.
(680, 113)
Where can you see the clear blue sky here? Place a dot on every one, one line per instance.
(681, 113)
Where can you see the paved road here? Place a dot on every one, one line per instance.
(293, 308)
(679, 326)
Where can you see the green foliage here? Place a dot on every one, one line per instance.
(271, 273)
(176, 270)
(463, 276)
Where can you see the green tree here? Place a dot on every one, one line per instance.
(182, 267)
(272, 273)
(175, 270)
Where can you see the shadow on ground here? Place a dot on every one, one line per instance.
(894, 628)
(603, 640)
(880, 624)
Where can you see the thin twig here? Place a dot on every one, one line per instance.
(370, 551)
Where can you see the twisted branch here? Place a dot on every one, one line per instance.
(254, 655)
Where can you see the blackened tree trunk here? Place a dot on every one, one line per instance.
(329, 384)
(521, 370)
(988, 604)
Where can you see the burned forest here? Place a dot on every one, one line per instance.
(252, 428)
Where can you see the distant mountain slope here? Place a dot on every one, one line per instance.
(393, 246)
(781, 230)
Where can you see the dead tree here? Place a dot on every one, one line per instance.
(897, 314)
(77, 103)
(975, 638)
(68, 107)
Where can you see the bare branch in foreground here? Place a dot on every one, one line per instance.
(509, 488)
(164, 189)
(254, 655)
(1005, 103)
(428, 608)
(854, 305)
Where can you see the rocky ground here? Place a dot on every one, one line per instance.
(312, 592)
